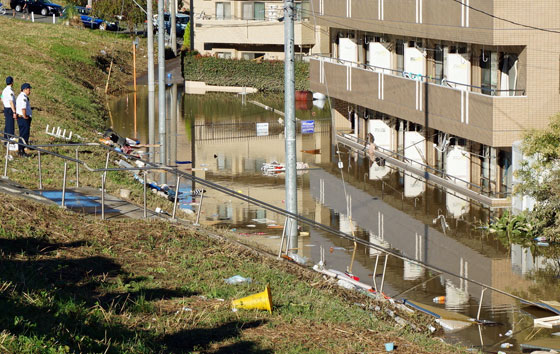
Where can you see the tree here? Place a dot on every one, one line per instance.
(540, 178)
(125, 10)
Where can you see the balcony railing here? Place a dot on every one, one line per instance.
(422, 78)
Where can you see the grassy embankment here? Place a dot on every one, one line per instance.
(266, 76)
(74, 284)
(68, 69)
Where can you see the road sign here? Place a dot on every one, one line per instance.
(307, 126)
(262, 129)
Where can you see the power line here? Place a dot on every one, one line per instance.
(506, 20)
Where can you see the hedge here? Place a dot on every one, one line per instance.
(266, 76)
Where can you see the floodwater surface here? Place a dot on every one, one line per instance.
(227, 139)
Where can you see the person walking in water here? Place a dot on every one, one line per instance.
(9, 102)
(23, 110)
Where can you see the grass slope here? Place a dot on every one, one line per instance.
(74, 284)
(68, 69)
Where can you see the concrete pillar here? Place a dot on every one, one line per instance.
(431, 158)
(476, 163)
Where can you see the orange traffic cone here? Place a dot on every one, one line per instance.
(259, 301)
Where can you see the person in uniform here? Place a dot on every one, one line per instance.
(23, 110)
(9, 101)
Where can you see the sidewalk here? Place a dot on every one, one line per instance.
(85, 200)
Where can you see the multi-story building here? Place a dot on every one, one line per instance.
(242, 29)
(447, 83)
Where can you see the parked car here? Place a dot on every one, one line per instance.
(94, 22)
(42, 7)
(181, 23)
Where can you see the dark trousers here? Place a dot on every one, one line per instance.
(9, 128)
(24, 126)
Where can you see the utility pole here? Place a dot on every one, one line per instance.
(173, 31)
(161, 81)
(151, 79)
(191, 21)
(290, 124)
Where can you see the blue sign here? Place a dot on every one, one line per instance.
(307, 126)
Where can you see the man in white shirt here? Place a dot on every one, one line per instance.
(9, 102)
(23, 110)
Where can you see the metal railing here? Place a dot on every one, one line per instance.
(403, 158)
(245, 198)
(41, 150)
(244, 130)
(423, 78)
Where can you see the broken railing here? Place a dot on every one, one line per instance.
(149, 166)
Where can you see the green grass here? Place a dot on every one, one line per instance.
(73, 284)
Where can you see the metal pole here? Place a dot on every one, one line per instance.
(40, 171)
(383, 277)
(290, 122)
(102, 196)
(77, 170)
(283, 236)
(106, 162)
(480, 303)
(191, 22)
(151, 85)
(6, 159)
(375, 271)
(64, 186)
(176, 196)
(173, 31)
(161, 82)
(199, 209)
(145, 206)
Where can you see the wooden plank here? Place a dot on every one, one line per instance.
(547, 322)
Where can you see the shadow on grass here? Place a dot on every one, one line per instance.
(63, 301)
(34, 246)
(201, 339)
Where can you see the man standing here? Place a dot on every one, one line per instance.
(23, 110)
(9, 101)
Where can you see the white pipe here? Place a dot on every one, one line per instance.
(339, 275)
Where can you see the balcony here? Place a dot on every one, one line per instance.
(488, 119)
(438, 19)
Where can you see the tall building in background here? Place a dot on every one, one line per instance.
(242, 29)
(447, 83)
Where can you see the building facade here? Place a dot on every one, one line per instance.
(449, 84)
(241, 29)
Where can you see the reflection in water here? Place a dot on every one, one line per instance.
(218, 134)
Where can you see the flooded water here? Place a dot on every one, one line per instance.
(220, 136)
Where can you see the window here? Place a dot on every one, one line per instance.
(253, 11)
(223, 55)
(223, 11)
(489, 72)
(438, 61)
(400, 55)
(302, 11)
(251, 56)
(259, 11)
(247, 11)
